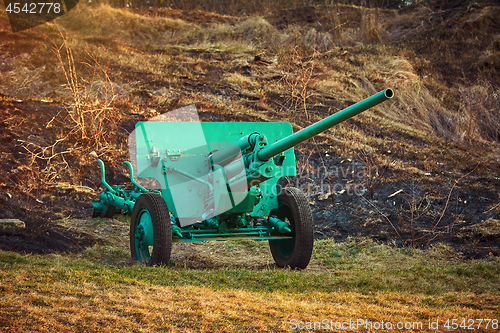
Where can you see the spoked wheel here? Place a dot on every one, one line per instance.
(293, 208)
(150, 230)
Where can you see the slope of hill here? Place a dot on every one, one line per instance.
(403, 178)
(300, 65)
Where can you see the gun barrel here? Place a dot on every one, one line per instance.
(290, 141)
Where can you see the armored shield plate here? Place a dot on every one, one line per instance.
(173, 157)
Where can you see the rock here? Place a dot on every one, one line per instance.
(11, 224)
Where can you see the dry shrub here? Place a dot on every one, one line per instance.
(92, 118)
(299, 57)
(300, 67)
(298, 76)
(31, 178)
(41, 169)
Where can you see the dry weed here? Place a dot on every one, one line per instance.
(479, 113)
(92, 119)
(370, 26)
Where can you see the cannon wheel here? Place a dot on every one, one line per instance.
(150, 230)
(293, 208)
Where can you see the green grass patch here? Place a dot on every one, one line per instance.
(354, 279)
(361, 266)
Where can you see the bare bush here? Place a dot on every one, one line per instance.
(38, 173)
(300, 65)
(298, 76)
(92, 118)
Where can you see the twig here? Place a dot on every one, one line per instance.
(395, 193)
(446, 205)
(486, 211)
(306, 162)
(325, 168)
(392, 225)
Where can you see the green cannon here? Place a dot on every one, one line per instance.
(203, 181)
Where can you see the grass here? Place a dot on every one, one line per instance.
(351, 280)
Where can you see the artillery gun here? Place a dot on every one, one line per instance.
(217, 181)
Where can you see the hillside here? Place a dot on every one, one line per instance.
(413, 178)
(136, 64)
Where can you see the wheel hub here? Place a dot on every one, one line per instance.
(144, 234)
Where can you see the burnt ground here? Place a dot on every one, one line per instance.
(422, 189)
(423, 212)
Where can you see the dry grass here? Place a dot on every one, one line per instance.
(241, 81)
(489, 229)
(370, 25)
(148, 32)
(215, 55)
(107, 22)
(46, 294)
(350, 74)
(479, 114)
(120, 307)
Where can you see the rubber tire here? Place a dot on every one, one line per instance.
(302, 225)
(162, 229)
